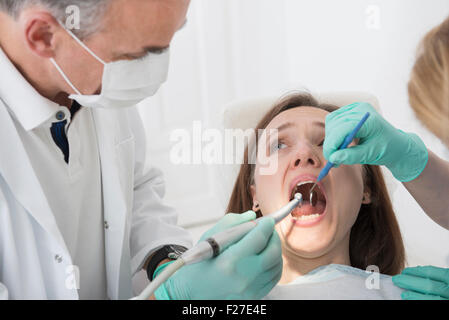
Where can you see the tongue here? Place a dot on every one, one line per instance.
(307, 209)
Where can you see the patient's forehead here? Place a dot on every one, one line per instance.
(299, 116)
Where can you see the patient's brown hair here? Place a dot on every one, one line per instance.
(375, 236)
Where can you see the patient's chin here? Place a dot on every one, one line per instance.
(310, 247)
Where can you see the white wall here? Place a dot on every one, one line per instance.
(232, 49)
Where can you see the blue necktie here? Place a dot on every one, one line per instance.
(59, 135)
(60, 138)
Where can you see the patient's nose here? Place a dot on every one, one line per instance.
(305, 156)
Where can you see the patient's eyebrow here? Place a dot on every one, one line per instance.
(319, 124)
(285, 126)
(288, 125)
(275, 131)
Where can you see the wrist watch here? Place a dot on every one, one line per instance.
(171, 252)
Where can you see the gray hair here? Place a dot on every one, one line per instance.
(91, 11)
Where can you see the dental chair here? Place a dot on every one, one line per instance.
(245, 114)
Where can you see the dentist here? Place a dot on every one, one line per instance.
(424, 174)
(80, 211)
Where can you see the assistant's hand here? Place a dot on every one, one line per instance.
(404, 154)
(424, 283)
(248, 269)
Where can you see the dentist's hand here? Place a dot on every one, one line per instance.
(248, 269)
(424, 283)
(404, 154)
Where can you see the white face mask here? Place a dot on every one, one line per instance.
(125, 83)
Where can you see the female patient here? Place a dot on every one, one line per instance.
(350, 228)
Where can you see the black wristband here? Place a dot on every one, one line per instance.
(166, 252)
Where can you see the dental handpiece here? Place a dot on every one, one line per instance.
(216, 244)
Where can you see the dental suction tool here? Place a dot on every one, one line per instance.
(215, 245)
(345, 144)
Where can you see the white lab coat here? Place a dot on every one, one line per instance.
(34, 260)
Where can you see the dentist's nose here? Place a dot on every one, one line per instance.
(305, 156)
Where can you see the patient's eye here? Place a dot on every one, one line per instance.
(276, 146)
(281, 146)
(321, 143)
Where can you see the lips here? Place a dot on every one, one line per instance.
(308, 211)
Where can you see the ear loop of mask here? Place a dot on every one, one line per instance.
(65, 77)
(85, 48)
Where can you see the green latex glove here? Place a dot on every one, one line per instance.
(228, 221)
(424, 283)
(248, 269)
(404, 154)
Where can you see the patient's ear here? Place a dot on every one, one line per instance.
(366, 196)
(255, 207)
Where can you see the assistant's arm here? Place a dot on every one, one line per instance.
(431, 189)
(424, 174)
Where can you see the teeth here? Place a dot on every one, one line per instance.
(307, 217)
(299, 185)
(304, 182)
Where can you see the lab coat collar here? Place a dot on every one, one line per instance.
(29, 107)
(16, 169)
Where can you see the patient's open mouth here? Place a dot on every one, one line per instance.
(308, 211)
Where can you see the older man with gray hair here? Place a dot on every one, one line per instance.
(80, 211)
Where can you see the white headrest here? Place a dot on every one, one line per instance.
(245, 114)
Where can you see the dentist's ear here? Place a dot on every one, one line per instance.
(39, 30)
